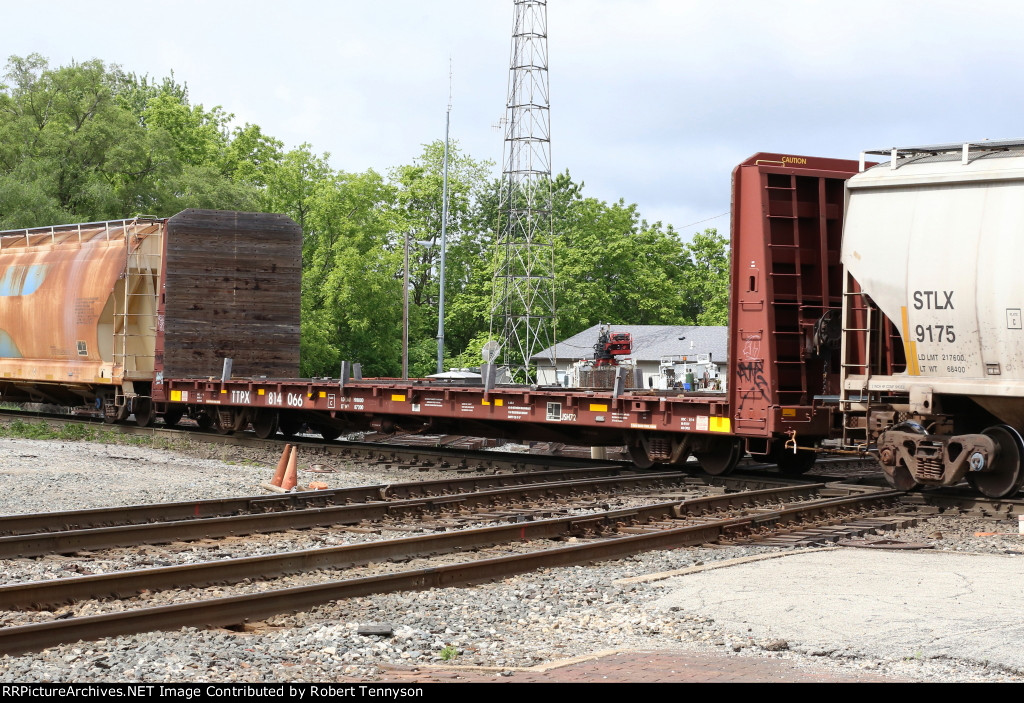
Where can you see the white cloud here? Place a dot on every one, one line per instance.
(654, 101)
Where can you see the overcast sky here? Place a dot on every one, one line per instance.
(653, 101)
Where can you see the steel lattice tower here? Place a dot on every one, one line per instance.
(523, 303)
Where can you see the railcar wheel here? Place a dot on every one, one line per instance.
(1005, 477)
(327, 432)
(224, 422)
(204, 420)
(114, 413)
(172, 416)
(144, 412)
(288, 425)
(900, 477)
(639, 457)
(721, 456)
(793, 464)
(264, 423)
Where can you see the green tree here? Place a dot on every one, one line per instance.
(706, 279)
(351, 288)
(64, 139)
(419, 191)
(90, 142)
(611, 266)
(252, 156)
(292, 180)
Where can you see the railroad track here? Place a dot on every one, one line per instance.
(462, 499)
(441, 455)
(937, 500)
(375, 507)
(735, 517)
(412, 451)
(258, 504)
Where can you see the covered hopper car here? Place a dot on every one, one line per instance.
(102, 313)
(933, 243)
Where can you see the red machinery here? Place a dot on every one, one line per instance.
(610, 346)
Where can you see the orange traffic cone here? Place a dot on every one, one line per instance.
(281, 465)
(290, 475)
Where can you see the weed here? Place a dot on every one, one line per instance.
(30, 430)
(449, 653)
(81, 433)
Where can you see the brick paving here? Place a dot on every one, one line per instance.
(661, 666)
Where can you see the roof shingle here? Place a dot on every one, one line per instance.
(650, 342)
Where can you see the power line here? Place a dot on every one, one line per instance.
(699, 222)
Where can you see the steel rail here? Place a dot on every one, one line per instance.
(186, 510)
(953, 498)
(372, 451)
(235, 609)
(386, 453)
(56, 591)
(63, 542)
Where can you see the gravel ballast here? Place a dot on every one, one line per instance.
(523, 621)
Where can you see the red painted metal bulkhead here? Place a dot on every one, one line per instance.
(787, 223)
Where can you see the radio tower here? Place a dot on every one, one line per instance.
(523, 303)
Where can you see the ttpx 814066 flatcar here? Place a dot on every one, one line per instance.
(787, 290)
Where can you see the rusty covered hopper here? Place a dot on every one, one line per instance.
(130, 301)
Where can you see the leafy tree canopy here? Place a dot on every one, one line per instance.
(90, 141)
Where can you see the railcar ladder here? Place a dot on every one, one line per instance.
(784, 234)
(134, 339)
(855, 403)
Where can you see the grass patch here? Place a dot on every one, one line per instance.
(102, 434)
(29, 430)
(74, 432)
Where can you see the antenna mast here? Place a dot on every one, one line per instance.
(444, 228)
(523, 305)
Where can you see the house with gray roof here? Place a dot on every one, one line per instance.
(651, 344)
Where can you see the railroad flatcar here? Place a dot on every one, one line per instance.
(102, 313)
(787, 291)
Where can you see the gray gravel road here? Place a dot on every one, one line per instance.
(914, 615)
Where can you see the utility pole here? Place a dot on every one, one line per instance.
(523, 303)
(405, 312)
(444, 228)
